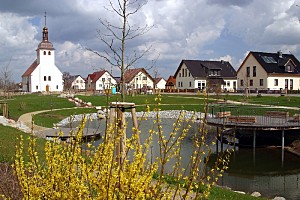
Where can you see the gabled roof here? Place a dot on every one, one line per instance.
(156, 80)
(30, 69)
(73, 78)
(96, 75)
(200, 68)
(275, 62)
(171, 81)
(131, 73)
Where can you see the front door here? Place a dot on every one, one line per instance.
(47, 88)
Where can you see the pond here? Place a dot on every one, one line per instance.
(250, 170)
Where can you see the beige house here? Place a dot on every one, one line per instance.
(269, 72)
(139, 80)
(201, 74)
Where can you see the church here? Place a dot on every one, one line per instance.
(43, 75)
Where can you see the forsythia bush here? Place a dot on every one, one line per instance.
(118, 169)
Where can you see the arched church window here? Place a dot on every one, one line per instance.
(49, 53)
(44, 52)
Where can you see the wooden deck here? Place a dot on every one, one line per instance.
(88, 133)
(269, 122)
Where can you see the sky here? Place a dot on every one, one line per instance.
(180, 29)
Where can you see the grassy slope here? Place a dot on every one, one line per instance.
(9, 140)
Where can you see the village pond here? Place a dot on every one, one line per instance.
(259, 169)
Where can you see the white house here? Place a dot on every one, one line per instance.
(43, 74)
(138, 79)
(160, 83)
(78, 83)
(199, 74)
(100, 80)
(262, 71)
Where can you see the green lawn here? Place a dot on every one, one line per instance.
(21, 104)
(9, 140)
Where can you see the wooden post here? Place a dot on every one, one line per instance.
(135, 125)
(282, 147)
(120, 107)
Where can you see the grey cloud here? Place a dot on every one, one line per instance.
(240, 3)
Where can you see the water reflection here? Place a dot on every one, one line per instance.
(249, 170)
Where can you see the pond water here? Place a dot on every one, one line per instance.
(260, 170)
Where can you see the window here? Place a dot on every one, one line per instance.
(228, 83)
(49, 53)
(37, 87)
(190, 84)
(251, 82)
(189, 74)
(45, 78)
(57, 87)
(178, 83)
(242, 83)
(261, 82)
(144, 78)
(275, 82)
(103, 79)
(248, 71)
(49, 78)
(183, 73)
(254, 71)
(289, 68)
(109, 79)
(291, 84)
(137, 78)
(179, 74)
(44, 52)
(100, 85)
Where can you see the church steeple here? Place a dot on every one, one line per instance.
(45, 30)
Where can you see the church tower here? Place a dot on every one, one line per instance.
(43, 75)
(45, 50)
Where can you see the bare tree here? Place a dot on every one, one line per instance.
(6, 82)
(116, 36)
(67, 80)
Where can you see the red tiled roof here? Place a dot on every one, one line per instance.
(96, 75)
(131, 73)
(171, 81)
(30, 69)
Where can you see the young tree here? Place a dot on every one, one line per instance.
(116, 37)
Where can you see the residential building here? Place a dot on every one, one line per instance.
(77, 82)
(159, 83)
(43, 74)
(171, 83)
(138, 79)
(201, 74)
(100, 80)
(261, 71)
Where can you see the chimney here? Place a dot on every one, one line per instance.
(279, 54)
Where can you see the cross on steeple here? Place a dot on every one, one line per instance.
(45, 30)
(45, 18)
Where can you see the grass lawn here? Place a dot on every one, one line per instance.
(9, 140)
(21, 104)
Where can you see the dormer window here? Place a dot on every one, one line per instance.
(214, 72)
(289, 68)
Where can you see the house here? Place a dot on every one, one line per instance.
(43, 75)
(171, 83)
(138, 79)
(261, 71)
(159, 83)
(201, 74)
(77, 82)
(99, 81)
